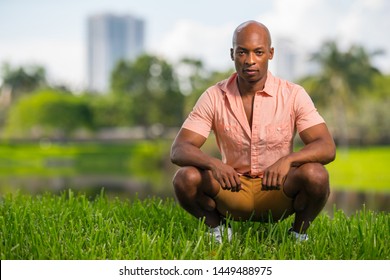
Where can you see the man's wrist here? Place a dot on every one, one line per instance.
(212, 164)
(289, 159)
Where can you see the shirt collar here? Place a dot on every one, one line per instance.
(269, 84)
(230, 86)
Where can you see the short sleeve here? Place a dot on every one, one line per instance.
(305, 112)
(201, 117)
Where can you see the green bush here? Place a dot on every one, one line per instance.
(48, 113)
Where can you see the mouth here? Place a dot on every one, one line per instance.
(250, 72)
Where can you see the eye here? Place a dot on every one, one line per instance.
(259, 53)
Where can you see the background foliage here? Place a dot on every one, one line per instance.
(349, 92)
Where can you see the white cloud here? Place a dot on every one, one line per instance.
(63, 60)
(310, 23)
(307, 23)
(188, 38)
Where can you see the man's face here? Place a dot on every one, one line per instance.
(251, 52)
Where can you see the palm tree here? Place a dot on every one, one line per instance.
(338, 84)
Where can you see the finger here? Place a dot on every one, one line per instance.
(238, 182)
(280, 181)
(263, 184)
(232, 186)
(265, 179)
(227, 183)
(268, 181)
(274, 181)
(235, 185)
(222, 183)
(264, 187)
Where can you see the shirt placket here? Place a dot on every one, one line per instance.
(255, 137)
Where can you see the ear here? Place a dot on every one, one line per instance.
(231, 54)
(271, 53)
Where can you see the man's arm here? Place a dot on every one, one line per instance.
(319, 147)
(186, 151)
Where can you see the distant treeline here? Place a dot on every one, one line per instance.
(152, 96)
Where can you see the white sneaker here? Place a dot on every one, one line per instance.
(218, 232)
(299, 236)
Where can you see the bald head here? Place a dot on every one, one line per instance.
(250, 26)
(251, 52)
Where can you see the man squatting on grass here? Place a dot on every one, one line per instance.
(254, 116)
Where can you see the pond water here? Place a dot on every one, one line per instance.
(351, 201)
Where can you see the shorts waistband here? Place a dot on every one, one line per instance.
(250, 176)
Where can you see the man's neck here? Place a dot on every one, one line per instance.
(250, 88)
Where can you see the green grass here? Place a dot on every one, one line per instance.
(74, 227)
(365, 169)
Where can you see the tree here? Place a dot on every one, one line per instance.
(373, 124)
(194, 79)
(22, 80)
(111, 110)
(154, 90)
(339, 83)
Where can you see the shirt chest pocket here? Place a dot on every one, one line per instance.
(230, 136)
(278, 135)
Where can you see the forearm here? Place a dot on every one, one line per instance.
(320, 151)
(190, 155)
(319, 147)
(187, 154)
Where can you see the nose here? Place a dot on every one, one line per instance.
(250, 59)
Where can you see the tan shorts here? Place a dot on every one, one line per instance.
(252, 203)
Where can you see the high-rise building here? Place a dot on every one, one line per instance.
(110, 39)
(285, 59)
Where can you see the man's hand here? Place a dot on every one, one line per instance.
(186, 151)
(275, 175)
(226, 176)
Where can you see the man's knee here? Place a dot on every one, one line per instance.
(187, 185)
(315, 178)
(314, 173)
(185, 179)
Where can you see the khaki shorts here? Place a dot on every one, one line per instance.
(252, 203)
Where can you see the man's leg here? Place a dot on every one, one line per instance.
(308, 185)
(194, 189)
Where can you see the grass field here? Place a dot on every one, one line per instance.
(74, 227)
(364, 169)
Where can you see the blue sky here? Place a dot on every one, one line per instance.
(52, 32)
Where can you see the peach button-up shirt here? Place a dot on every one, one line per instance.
(280, 110)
